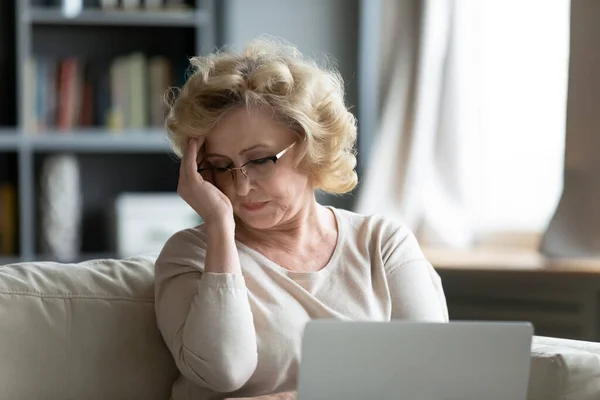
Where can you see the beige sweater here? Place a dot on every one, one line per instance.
(237, 336)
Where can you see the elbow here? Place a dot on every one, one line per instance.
(227, 375)
(231, 376)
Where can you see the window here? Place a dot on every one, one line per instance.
(513, 63)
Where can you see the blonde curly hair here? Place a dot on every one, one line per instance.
(270, 73)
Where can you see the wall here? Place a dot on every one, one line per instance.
(316, 27)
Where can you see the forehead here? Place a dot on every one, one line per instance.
(241, 128)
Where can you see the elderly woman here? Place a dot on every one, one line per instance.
(258, 133)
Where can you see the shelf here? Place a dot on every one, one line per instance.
(110, 163)
(508, 260)
(54, 16)
(9, 139)
(100, 141)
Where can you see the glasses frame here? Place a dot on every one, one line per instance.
(242, 168)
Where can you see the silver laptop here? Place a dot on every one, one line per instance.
(414, 361)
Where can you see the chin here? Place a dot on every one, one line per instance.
(262, 219)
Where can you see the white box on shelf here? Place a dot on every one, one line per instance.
(109, 4)
(145, 221)
(153, 4)
(131, 4)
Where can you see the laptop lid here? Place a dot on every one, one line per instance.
(417, 361)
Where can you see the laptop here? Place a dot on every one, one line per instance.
(414, 361)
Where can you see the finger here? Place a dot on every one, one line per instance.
(190, 166)
(184, 158)
(182, 163)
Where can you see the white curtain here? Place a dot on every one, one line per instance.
(417, 172)
(470, 144)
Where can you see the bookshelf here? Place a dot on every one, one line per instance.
(86, 85)
(9, 140)
(92, 141)
(44, 16)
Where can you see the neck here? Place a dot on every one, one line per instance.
(301, 228)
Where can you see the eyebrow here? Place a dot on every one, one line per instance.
(247, 149)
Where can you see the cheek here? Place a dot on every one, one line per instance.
(288, 186)
(276, 189)
(283, 188)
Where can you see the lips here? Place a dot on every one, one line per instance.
(254, 206)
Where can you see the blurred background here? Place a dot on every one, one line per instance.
(477, 129)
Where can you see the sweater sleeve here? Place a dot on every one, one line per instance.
(415, 287)
(204, 318)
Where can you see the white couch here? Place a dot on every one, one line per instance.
(87, 331)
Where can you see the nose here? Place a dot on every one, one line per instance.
(241, 182)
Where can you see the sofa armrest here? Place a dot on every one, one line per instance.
(564, 369)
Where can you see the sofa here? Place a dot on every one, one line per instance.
(88, 331)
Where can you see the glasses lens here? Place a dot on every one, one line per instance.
(205, 171)
(217, 176)
(223, 177)
(254, 170)
(260, 169)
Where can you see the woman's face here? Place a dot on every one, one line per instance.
(280, 190)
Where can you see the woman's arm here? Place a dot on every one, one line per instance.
(221, 252)
(204, 315)
(201, 302)
(416, 292)
(415, 287)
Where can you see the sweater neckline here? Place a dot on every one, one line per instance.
(299, 274)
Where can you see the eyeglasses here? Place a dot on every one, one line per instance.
(257, 169)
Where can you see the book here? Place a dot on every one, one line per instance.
(8, 219)
(69, 90)
(29, 95)
(118, 95)
(160, 76)
(138, 98)
(126, 92)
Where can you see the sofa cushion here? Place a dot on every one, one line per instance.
(82, 331)
(564, 369)
(88, 331)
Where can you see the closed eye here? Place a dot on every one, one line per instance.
(222, 167)
(262, 161)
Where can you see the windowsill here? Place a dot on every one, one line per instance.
(507, 259)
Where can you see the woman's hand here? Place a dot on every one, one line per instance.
(204, 197)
